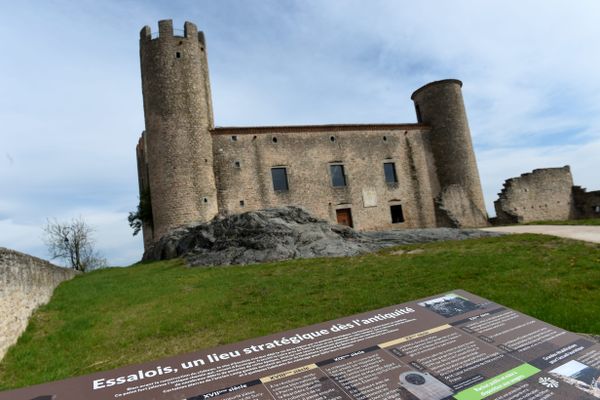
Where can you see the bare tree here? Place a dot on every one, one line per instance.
(73, 242)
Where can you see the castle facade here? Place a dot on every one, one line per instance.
(371, 177)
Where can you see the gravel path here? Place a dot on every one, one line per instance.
(578, 232)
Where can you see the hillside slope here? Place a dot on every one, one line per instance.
(115, 317)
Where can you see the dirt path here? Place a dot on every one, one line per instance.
(578, 232)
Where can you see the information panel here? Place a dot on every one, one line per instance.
(452, 346)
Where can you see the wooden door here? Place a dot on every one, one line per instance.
(344, 217)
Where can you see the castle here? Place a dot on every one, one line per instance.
(371, 177)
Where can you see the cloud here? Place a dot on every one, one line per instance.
(21, 236)
(112, 236)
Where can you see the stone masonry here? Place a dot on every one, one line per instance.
(545, 194)
(26, 282)
(587, 204)
(244, 182)
(371, 176)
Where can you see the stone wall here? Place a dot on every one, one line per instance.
(26, 282)
(541, 195)
(244, 158)
(587, 204)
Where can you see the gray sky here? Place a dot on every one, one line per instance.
(71, 106)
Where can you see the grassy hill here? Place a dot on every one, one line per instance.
(110, 318)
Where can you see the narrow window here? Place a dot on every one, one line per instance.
(389, 169)
(397, 214)
(418, 110)
(237, 164)
(280, 181)
(234, 138)
(597, 209)
(338, 178)
(242, 204)
(178, 55)
(274, 140)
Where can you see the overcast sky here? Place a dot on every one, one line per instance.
(71, 102)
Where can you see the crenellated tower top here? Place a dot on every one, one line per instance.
(166, 31)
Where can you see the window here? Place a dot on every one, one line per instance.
(237, 164)
(597, 209)
(234, 138)
(389, 169)
(178, 55)
(338, 178)
(418, 111)
(242, 203)
(397, 214)
(344, 217)
(280, 182)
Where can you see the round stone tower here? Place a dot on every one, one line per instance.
(178, 116)
(440, 105)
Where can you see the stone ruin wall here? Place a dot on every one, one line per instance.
(545, 194)
(26, 282)
(587, 204)
(541, 195)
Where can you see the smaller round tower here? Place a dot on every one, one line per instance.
(178, 117)
(440, 105)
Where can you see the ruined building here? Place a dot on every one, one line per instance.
(372, 176)
(545, 194)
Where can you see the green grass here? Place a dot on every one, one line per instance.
(110, 318)
(591, 221)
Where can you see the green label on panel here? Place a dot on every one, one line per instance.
(498, 383)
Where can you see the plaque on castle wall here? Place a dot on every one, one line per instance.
(369, 198)
(454, 345)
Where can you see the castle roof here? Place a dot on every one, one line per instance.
(227, 130)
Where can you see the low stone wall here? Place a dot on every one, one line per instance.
(26, 282)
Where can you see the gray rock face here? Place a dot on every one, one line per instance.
(280, 234)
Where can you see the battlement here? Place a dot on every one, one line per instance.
(166, 31)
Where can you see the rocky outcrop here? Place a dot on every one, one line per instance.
(279, 234)
(26, 282)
